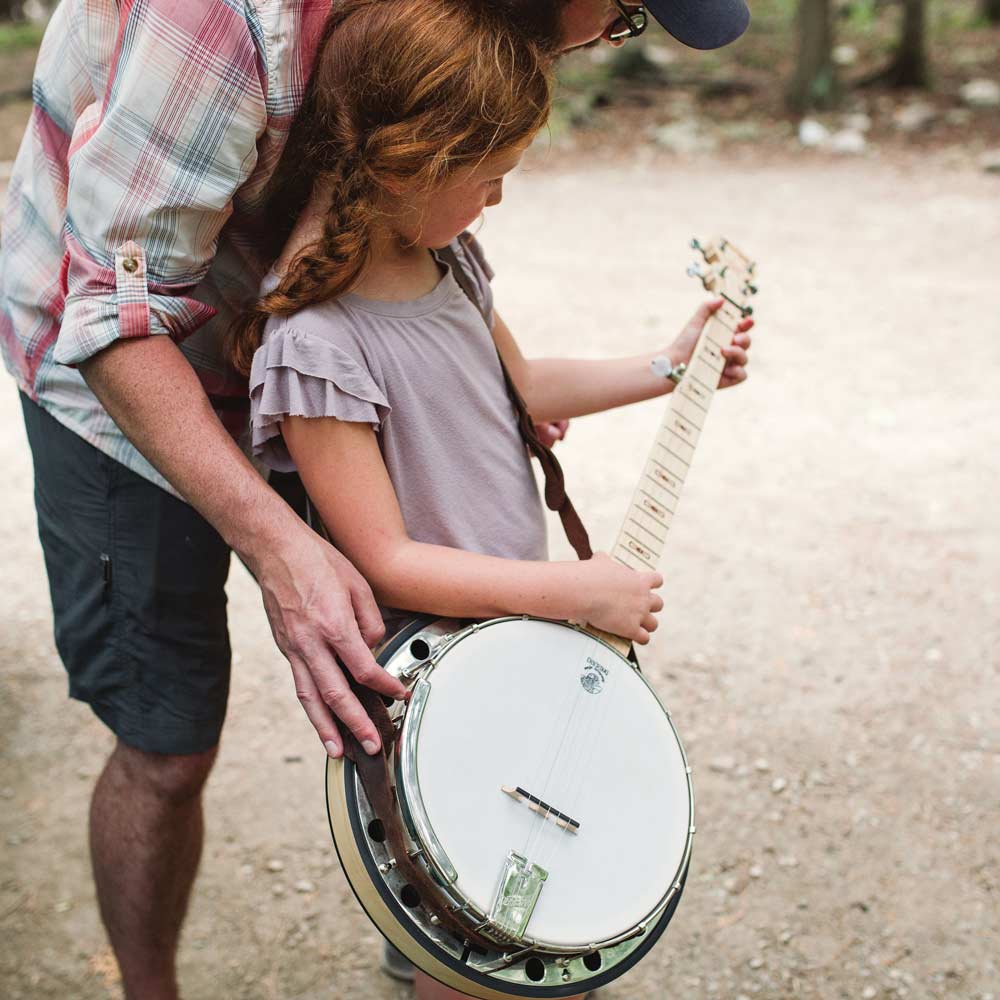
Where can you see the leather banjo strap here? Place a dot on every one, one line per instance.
(376, 779)
(555, 482)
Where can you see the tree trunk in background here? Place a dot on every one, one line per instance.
(9, 9)
(991, 11)
(814, 83)
(910, 67)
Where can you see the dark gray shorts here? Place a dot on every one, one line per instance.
(137, 579)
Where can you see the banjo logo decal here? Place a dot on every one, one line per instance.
(593, 677)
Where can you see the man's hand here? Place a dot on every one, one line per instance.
(736, 354)
(321, 611)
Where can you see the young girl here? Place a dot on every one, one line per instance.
(371, 371)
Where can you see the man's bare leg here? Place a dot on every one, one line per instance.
(145, 843)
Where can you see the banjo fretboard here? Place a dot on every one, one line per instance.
(643, 534)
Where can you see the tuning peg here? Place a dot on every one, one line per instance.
(709, 252)
(749, 289)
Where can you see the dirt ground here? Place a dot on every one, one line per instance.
(829, 647)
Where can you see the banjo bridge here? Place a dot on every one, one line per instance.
(520, 886)
(543, 809)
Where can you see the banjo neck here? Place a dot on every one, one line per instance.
(643, 534)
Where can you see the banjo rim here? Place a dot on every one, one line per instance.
(391, 917)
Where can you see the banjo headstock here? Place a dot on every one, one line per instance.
(726, 271)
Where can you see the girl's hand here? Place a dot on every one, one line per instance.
(736, 355)
(554, 430)
(619, 600)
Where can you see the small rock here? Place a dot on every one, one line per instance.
(684, 137)
(660, 55)
(813, 133)
(788, 861)
(858, 121)
(848, 142)
(722, 765)
(246, 871)
(785, 937)
(304, 885)
(63, 906)
(756, 963)
(915, 116)
(778, 785)
(755, 871)
(845, 55)
(761, 765)
(958, 116)
(933, 655)
(734, 886)
(869, 992)
(277, 889)
(981, 93)
(274, 865)
(6, 793)
(990, 161)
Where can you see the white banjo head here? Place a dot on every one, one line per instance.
(552, 714)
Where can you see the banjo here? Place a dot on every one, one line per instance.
(528, 827)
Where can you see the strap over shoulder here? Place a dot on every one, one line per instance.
(555, 481)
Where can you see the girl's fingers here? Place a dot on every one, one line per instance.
(650, 624)
(656, 603)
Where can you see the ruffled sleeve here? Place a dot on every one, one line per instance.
(295, 373)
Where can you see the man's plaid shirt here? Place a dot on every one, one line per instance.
(138, 187)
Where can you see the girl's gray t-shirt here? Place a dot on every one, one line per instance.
(426, 376)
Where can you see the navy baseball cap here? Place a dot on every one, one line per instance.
(701, 24)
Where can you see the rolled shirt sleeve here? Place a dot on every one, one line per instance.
(153, 169)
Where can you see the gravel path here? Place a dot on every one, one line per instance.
(829, 648)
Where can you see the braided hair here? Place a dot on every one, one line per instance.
(403, 94)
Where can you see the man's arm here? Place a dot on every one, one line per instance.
(317, 603)
(153, 167)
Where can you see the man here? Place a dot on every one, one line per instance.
(130, 238)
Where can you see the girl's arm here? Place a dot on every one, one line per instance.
(560, 388)
(344, 475)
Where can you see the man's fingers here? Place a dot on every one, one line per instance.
(315, 708)
(358, 659)
(336, 694)
(366, 613)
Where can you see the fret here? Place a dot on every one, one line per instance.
(649, 531)
(639, 551)
(690, 393)
(705, 388)
(654, 505)
(684, 429)
(670, 480)
(673, 454)
(626, 557)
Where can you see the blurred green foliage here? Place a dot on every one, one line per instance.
(20, 36)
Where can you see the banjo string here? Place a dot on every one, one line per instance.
(583, 747)
(541, 819)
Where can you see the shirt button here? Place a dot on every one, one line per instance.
(130, 264)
